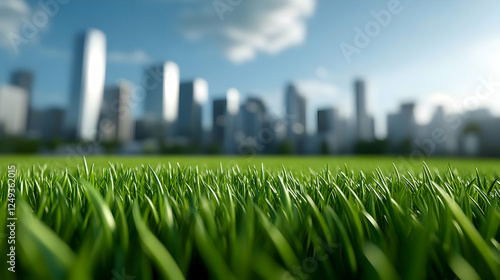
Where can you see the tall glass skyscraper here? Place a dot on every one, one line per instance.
(161, 105)
(295, 105)
(87, 87)
(192, 96)
(364, 123)
(24, 79)
(254, 117)
(225, 121)
(117, 122)
(13, 110)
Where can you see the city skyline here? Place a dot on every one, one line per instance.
(409, 70)
(174, 109)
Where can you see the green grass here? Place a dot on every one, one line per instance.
(273, 163)
(287, 218)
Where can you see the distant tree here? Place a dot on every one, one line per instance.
(285, 148)
(405, 147)
(177, 149)
(19, 145)
(111, 146)
(472, 128)
(53, 143)
(325, 149)
(213, 149)
(371, 148)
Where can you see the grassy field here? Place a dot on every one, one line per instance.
(251, 218)
(274, 163)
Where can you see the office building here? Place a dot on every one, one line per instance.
(161, 105)
(331, 131)
(218, 120)
(225, 121)
(254, 117)
(326, 120)
(52, 123)
(295, 106)
(402, 129)
(192, 97)
(117, 122)
(89, 71)
(24, 79)
(364, 123)
(13, 110)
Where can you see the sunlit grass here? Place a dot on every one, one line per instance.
(173, 221)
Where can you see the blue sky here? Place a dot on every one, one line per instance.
(432, 52)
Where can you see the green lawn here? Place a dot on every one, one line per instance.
(255, 218)
(293, 163)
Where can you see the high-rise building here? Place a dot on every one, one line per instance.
(192, 96)
(331, 131)
(402, 128)
(218, 120)
(225, 121)
(53, 121)
(295, 105)
(254, 117)
(326, 120)
(364, 124)
(89, 69)
(161, 105)
(444, 124)
(13, 110)
(24, 79)
(117, 121)
(255, 135)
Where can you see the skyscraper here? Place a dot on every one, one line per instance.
(331, 130)
(225, 121)
(24, 79)
(364, 124)
(192, 96)
(295, 105)
(89, 69)
(161, 105)
(254, 116)
(117, 122)
(402, 128)
(53, 121)
(326, 120)
(218, 120)
(13, 110)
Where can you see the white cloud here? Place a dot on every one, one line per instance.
(487, 54)
(321, 73)
(317, 89)
(253, 27)
(135, 57)
(11, 15)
